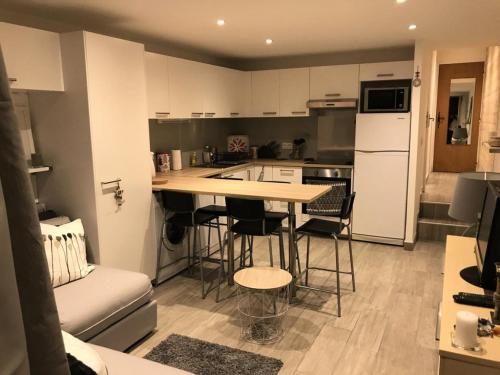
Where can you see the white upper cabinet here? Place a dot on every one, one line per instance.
(293, 92)
(32, 58)
(216, 93)
(186, 88)
(265, 93)
(239, 86)
(336, 81)
(157, 85)
(386, 70)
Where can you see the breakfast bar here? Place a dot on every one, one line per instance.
(290, 193)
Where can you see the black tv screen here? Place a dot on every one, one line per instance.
(488, 236)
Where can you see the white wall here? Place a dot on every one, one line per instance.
(461, 55)
(419, 109)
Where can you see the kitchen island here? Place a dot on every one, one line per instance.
(191, 181)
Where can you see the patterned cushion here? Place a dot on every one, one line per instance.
(65, 251)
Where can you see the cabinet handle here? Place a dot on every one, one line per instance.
(385, 75)
(162, 113)
(299, 112)
(234, 113)
(12, 79)
(333, 95)
(268, 113)
(196, 114)
(209, 114)
(286, 172)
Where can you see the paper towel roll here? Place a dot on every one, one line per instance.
(176, 160)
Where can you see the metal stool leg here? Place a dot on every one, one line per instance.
(282, 249)
(269, 241)
(250, 241)
(299, 267)
(350, 257)
(221, 265)
(307, 259)
(196, 239)
(189, 251)
(243, 251)
(338, 273)
(158, 255)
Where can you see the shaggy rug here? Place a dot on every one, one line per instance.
(205, 358)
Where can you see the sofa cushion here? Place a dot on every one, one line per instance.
(127, 364)
(85, 353)
(90, 305)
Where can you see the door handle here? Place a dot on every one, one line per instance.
(439, 118)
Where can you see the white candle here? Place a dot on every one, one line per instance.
(466, 329)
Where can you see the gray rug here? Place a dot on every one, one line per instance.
(204, 358)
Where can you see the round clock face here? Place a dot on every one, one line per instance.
(417, 82)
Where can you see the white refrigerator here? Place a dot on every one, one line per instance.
(381, 176)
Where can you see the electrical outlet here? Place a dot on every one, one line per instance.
(286, 146)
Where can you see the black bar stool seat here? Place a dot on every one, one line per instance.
(321, 228)
(213, 209)
(256, 228)
(186, 219)
(278, 216)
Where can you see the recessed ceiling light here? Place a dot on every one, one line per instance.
(269, 41)
(412, 27)
(220, 22)
(400, 1)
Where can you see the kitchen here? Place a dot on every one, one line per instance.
(289, 172)
(344, 141)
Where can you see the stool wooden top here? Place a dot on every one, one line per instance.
(262, 278)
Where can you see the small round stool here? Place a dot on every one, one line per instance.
(262, 302)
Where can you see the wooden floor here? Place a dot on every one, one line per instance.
(440, 187)
(387, 325)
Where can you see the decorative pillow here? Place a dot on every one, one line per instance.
(84, 353)
(65, 251)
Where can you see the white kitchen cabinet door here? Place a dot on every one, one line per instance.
(157, 85)
(186, 88)
(380, 183)
(116, 84)
(335, 81)
(386, 70)
(217, 91)
(265, 93)
(239, 89)
(289, 175)
(32, 58)
(294, 92)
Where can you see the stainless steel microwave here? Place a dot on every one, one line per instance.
(385, 96)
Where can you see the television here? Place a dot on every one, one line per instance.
(488, 237)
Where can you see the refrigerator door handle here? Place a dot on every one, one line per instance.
(378, 151)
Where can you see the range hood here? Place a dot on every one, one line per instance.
(333, 103)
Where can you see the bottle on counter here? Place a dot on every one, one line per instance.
(193, 159)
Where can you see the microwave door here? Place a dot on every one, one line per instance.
(380, 99)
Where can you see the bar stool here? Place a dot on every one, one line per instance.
(252, 220)
(185, 215)
(330, 229)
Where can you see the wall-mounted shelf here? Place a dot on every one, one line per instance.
(42, 169)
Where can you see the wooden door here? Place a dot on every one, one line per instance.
(458, 106)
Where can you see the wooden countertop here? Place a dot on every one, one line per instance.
(244, 189)
(460, 254)
(208, 172)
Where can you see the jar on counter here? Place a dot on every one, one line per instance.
(193, 159)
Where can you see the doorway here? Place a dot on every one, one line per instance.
(457, 119)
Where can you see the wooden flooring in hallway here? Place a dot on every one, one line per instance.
(387, 326)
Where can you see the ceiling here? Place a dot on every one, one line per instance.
(297, 27)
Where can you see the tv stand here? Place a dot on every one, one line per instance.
(453, 361)
(471, 275)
